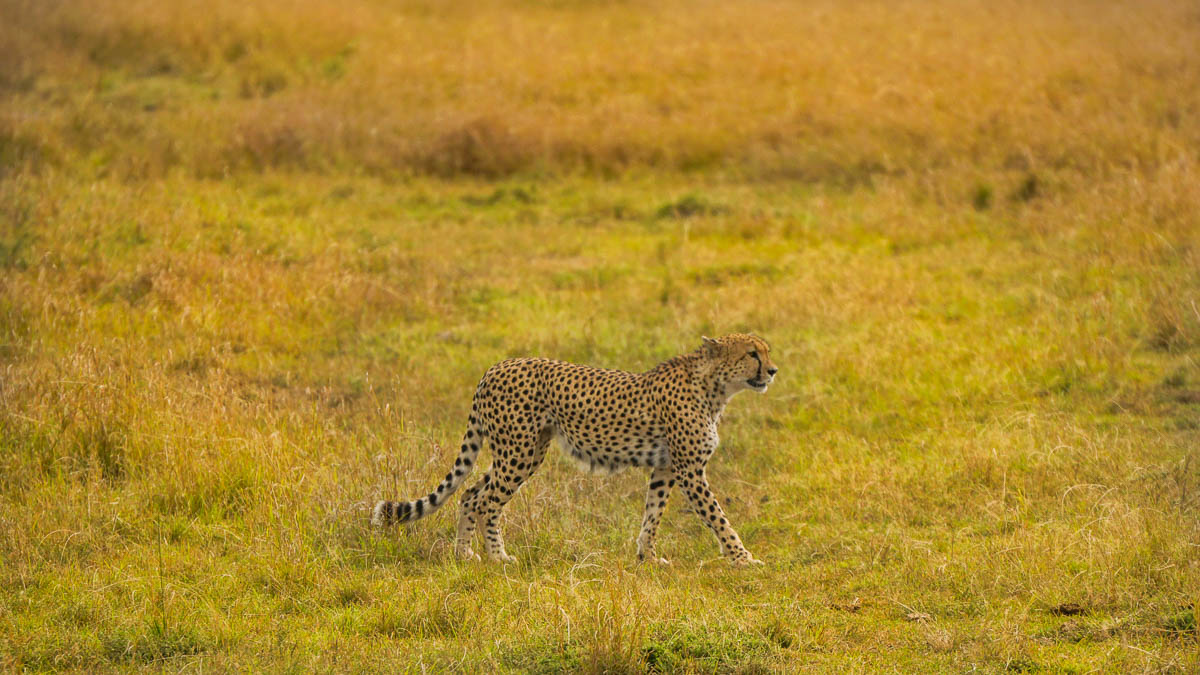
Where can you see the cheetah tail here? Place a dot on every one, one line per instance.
(388, 512)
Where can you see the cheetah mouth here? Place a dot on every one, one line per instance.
(760, 385)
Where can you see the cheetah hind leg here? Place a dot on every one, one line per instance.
(468, 519)
(491, 501)
(514, 463)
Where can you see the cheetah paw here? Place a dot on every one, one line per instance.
(469, 555)
(745, 561)
(504, 558)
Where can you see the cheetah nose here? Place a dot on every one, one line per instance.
(772, 370)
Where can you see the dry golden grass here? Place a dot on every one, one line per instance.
(254, 256)
(815, 90)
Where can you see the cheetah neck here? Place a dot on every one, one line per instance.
(714, 392)
(716, 397)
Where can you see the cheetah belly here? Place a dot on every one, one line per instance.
(614, 456)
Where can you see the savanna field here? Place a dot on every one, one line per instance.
(255, 255)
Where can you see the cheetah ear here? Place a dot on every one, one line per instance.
(709, 346)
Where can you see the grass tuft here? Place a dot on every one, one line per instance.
(155, 643)
(689, 206)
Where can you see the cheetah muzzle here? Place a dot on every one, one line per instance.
(664, 419)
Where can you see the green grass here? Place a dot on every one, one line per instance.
(232, 318)
(974, 421)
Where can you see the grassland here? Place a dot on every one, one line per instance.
(254, 256)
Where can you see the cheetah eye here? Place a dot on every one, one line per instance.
(753, 355)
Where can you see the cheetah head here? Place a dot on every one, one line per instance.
(741, 361)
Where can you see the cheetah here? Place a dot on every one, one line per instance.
(607, 420)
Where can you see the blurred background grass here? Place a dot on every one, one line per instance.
(255, 255)
(820, 91)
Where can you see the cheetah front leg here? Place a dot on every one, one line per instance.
(657, 494)
(694, 483)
